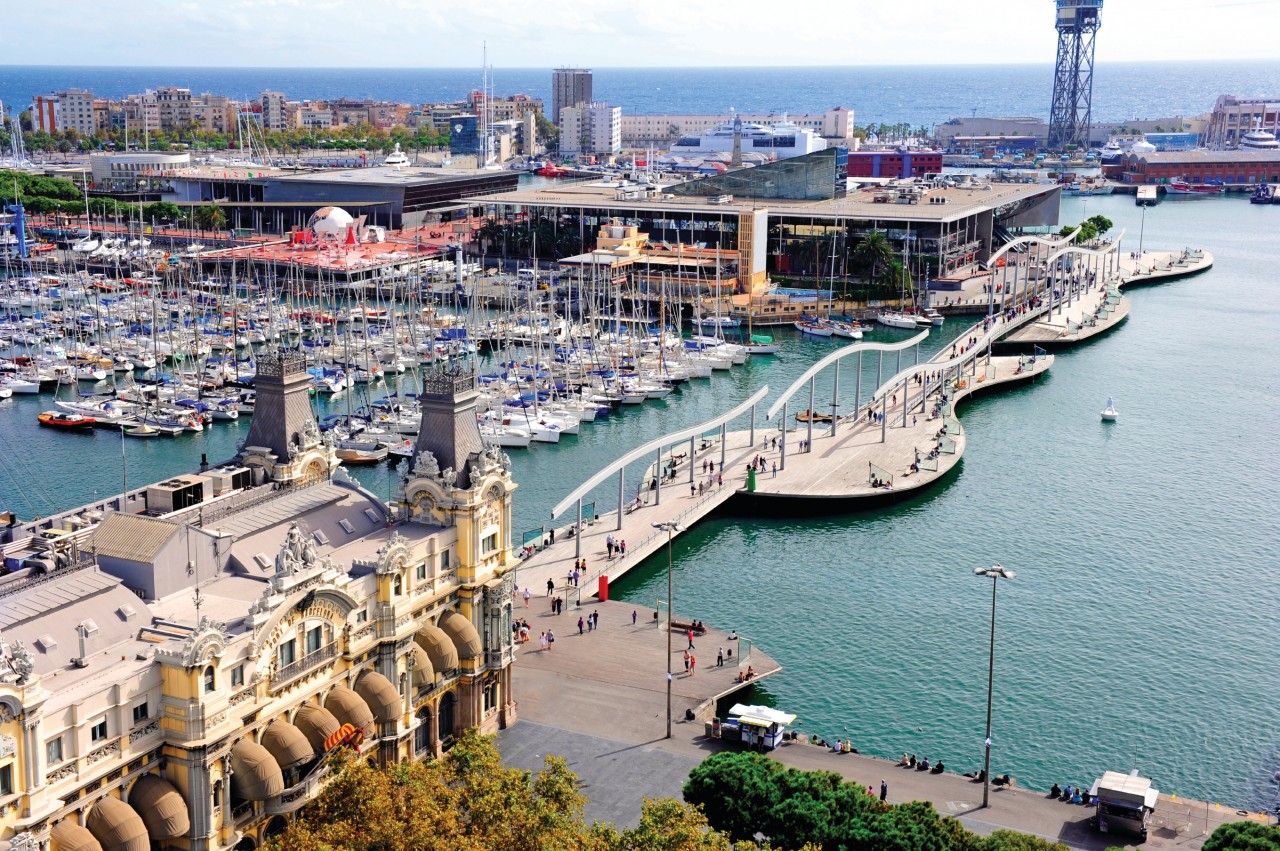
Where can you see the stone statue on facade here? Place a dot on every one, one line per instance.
(24, 664)
(426, 464)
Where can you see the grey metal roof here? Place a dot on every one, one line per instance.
(53, 592)
(132, 537)
(286, 506)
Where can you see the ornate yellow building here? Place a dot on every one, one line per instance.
(176, 679)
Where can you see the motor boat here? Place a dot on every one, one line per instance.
(895, 319)
(1109, 413)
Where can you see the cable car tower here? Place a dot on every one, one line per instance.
(1072, 111)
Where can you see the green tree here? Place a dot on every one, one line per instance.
(1101, 223)
(1244, 836)
(667, 825)
(736, 792)
(1009, 840)
(872, 254)
(210, 217)
(162, 211)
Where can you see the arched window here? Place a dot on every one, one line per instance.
(447, 705)
(397, 585)
(209, 679)
(422, 735)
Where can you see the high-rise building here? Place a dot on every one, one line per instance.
(569, 87)
(75, 111)
(274, 112)
(44, 113)
(174, 107)
(591, 129)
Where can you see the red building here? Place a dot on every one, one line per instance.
(894, 163)
(1198, 167)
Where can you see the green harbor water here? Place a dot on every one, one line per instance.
(1140, 631)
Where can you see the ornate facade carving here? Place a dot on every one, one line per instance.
(144, 731)
(112, 747)
(394, 555)
(21, 660)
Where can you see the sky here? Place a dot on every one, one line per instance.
(662, 33)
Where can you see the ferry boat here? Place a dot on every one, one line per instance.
(1181, 187)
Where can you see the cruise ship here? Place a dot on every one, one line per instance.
(783, 139)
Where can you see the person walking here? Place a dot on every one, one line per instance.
(884, 790)
(526, 596)
(693, 664)
(686, 662)
(693, 491)
(623, 545)
(580, 624)
(720, 657)
(551, 639)
(551, 587)
(690, 638)
(595, 618)
(542, 639)
(633, 617)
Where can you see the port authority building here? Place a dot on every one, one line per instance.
(791, 216)
(177, 662)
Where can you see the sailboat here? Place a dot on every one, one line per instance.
(1109, 413)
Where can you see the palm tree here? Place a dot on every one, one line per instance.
(873, 253)
(211, 218)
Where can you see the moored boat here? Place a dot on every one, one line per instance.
(1109, 413)
(63, 420)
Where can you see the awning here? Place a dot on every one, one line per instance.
(117, 826)
(439, 647)
(161, 806)
(420, 666)
(464, 635)
(69, 836)
(317, 724)
(256, 774)
(346, 735)
(760, 716)
(287, 744)
(349, 708)
(380, 696)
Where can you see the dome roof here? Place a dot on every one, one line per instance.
(330, 221)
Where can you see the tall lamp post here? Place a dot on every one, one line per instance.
(996, 572)
(1142, 230)
(670, 527)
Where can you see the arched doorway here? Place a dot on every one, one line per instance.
(448, 706)
(276, 826)
(247, 844)
(422, 735)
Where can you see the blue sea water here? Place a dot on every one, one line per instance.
(922, 95)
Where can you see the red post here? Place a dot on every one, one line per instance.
(602, 588)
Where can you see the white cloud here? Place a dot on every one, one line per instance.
(415, 33)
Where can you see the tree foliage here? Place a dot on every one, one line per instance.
(1244, 836)
(746, 795)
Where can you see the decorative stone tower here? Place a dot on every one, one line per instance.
(284, 443)
(456, 481)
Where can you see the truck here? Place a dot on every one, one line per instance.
(1125, 803)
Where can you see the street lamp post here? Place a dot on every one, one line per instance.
(670, 527)
(996, 572)
(1142, 230)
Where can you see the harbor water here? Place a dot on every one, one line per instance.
(1139, 632)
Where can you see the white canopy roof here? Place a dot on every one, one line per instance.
(760, 716)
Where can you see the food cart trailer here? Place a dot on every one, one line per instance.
(756, 726)
(1125, 802)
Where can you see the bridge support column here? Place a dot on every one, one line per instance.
(782, 457)
(621, 496)
(835, 401)
(809, 435)
(880, 369)
(692, 455)
(857, 389)
(579, 534)
(724, 439)
(657, 478)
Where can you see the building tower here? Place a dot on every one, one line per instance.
(569, 87)
(1072, 110)
(284, 444)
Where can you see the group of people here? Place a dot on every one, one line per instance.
(520, 628)
(747, 676)
(612, 546)
(910, 761)
(591, 622)
(1071, 794)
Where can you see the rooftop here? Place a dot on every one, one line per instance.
(1207, 157)
(960, 203)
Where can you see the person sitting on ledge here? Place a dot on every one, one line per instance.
(904, 760)
(1055, 791)
(1066, 793)
(924, 765)
(938, 769)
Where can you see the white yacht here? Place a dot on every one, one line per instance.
(1258, 139)
(784, 139)
(397, 158)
